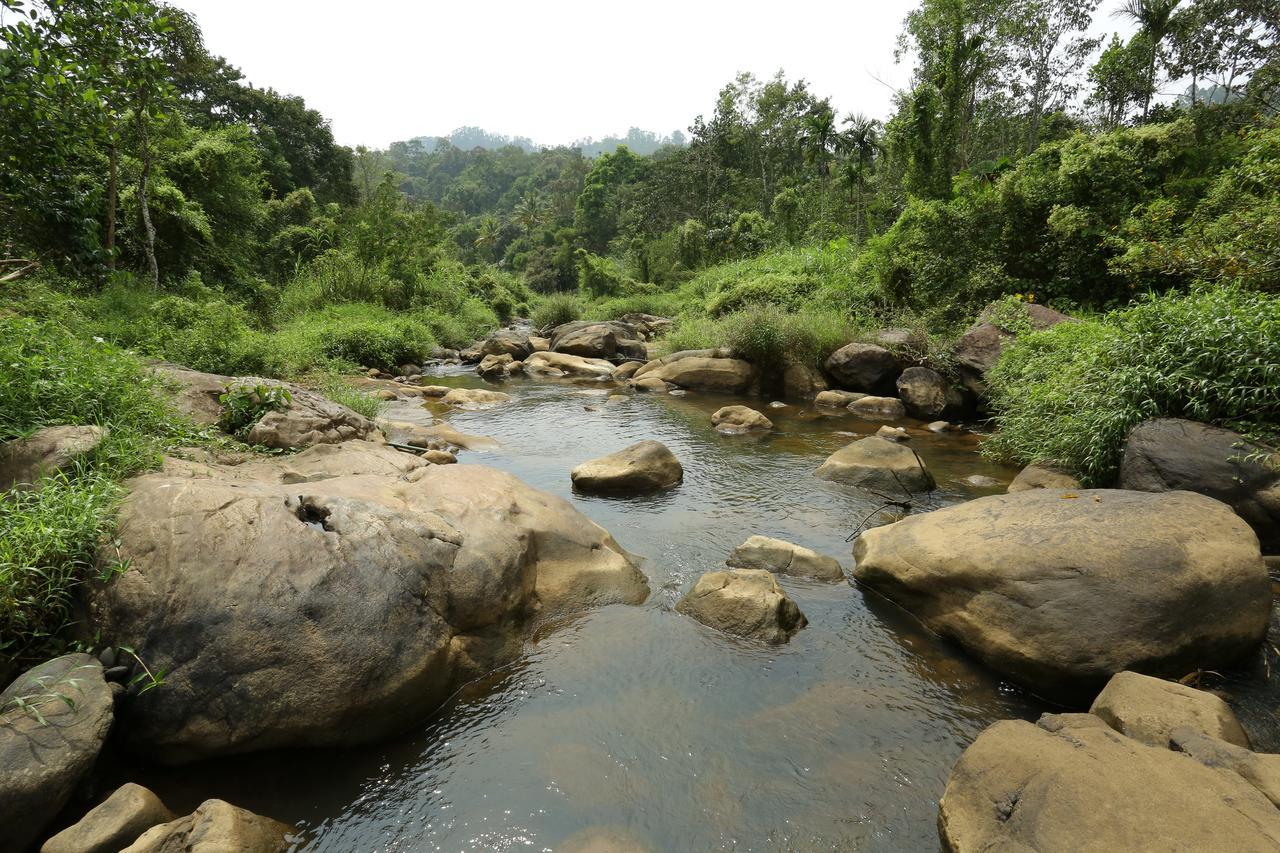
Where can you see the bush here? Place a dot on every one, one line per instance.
(336, 389)
(556, 310)
(766, 335)
(349, 336)
(1069, 395)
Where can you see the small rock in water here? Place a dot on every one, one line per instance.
(116, 673)
(778, 404)
(679, 392)
(939, 426)
(745, 602)
(893, 433)
(982, 481)
(617, 398)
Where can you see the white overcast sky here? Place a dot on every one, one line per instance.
(555, 71)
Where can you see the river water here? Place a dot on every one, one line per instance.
(639, 726)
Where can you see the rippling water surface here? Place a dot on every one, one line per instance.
(639, 725)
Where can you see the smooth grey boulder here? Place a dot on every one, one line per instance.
(837, 399)
(1060, 590)
(743, 602)
(54, 719)
(598, 339)
(736, 419)
(801, 382)
(786, 558)
(25, 461)
(113, 824)
(338, 609)
(1171, 453)
(878, 464)
(927, 395)
(1070, 782)
(499, 367)
(564, 364)
(863, 367)
(1042, 477)
(642, 467)
(701, 372)
(516, 344)
(1149, 709)
(215, 826)
(878, 408)
(978, 349)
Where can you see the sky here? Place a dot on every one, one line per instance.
(554, 71)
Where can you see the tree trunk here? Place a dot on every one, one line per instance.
(148, 230)
(113, 177)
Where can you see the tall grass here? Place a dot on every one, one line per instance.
(766, 335)
(1069, 395)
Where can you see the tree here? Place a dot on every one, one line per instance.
(1155, 18)
(1119, 80)
(860, 144)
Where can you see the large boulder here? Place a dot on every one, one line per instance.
(338, 609)
(1042, 477)
(642, 467)
(215, 826)
(802, 382)
(785, 558)
(702, 372)
(864, 367)
(978, 350)
(1072, 783)
(927, 395)
(878, 408)
(1149, 709)
(54, 719)
(878, 464)
(510, 342)
(738, 419)
(25, 461)
(1261, 770)
(1060, 590)
(113, 824)
(837, 399)
(499, 367)
(1170, 453)
(744, 602)
(598, 339)
(564, 364)
(309, 418)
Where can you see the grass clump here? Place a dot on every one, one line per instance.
(556, 310)
(339, 391)
(766, 335)
(1069, 395)
(49, 536)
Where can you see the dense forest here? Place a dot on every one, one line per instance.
(157, 205)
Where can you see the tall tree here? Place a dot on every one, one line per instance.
(1155, 18)
(1046, 48)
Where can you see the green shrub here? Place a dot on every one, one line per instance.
(339, 391)
(657, 303)
(349, 336)
(556, 310)
(244, 405)
(766, 335)
(1069, 395)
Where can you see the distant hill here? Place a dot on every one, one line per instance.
(467, 138)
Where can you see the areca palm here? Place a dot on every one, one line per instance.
(1155, 17)
(860, 143)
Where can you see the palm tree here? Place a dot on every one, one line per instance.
(1155, 17)
(490, 232)
(818, 134)
(530, 212)
(860, 143)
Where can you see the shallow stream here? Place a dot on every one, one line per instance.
(637, 724)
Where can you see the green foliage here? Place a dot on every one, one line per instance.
(353, 335)
(598, 277)
(556, 310)
(244, 405)
(1069, 395)
(766, 335)
(338, 390)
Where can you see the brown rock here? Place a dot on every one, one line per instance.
(25, 461)
(744, 602)
(645, 466)
(1149, 709)
(113, 824)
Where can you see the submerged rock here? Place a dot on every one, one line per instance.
(25, 461)
(879, 464)
(1061, 590)
(1042, 477)
(1169, 453)
(215, 826)
(1072, 783)
(777, 555)
(1149, 709)
(740, 419)
(113, 824)
(54, 719)
(864, 367)
(744, 602)
(339, 610)
(644, 466)
(474, 398)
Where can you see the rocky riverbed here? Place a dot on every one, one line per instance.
(675, 659)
